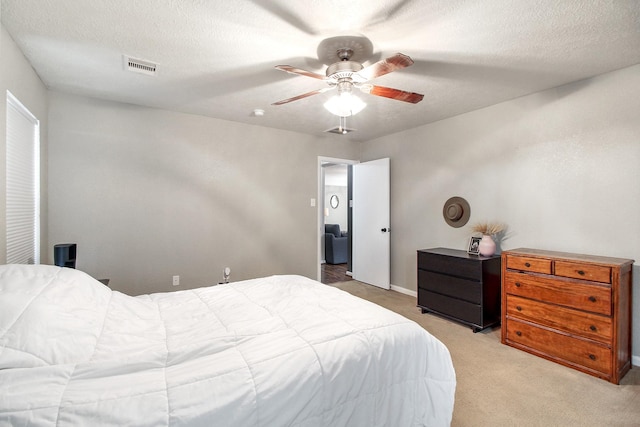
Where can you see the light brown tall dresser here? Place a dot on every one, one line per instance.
(572, 309)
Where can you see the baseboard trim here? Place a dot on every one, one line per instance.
(404, 291)
(635, 360)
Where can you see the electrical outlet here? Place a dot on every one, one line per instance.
(176, 280)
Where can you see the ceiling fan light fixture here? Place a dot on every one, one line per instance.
(345, 105)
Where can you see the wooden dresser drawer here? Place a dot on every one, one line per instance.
(593, 326)
(523, 263)
(559, 347)
(581, 296)
(595, 273)
(465, 289)
(451, 307)
(456, 266)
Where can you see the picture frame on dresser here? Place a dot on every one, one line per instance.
(474, 246)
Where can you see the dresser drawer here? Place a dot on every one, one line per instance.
(452, 307)
(453, 266)
(456, 287)
(581, 296)
(576, 322)
(559, 346)
(523, 263)
(594, 273)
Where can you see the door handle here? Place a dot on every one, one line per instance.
(386, 230)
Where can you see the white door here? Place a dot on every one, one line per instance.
(371, 240)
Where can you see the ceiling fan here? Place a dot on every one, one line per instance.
(345, 74)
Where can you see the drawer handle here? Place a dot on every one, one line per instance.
(526, 264)
(518, 333)
(592, 298)
(518, 308)
(592, 356)
(593, 328)
(581, 272)
(518, 284)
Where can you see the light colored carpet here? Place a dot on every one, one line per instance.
(498, 385)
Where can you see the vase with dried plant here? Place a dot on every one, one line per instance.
(489, 230)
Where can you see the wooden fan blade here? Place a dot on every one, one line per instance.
(304, 95)
(301, 72)
(385, 66)
(397, 94)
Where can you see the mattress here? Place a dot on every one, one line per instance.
(274, 351)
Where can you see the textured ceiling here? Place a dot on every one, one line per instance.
(217, 58)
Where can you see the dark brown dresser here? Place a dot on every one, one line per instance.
(459, 286)
(572, 309)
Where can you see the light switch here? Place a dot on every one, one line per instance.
(313, 203)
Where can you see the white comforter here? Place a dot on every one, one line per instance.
(277, 351)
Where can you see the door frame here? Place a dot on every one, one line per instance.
(320, 205)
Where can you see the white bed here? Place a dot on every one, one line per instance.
(276, 351)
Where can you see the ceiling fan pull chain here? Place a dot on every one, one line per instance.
(342, 128)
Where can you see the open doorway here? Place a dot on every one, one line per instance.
(336, 241)
(334, 222)
(368, 220)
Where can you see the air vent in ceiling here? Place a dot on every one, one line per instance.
(140, 66)
(340, 130)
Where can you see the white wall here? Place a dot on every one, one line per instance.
(560, 167)
(17, 76)
(336, 215)
(148, 194)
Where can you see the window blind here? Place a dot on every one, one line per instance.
(23, 184)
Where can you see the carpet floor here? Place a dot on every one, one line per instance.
(498, 385)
